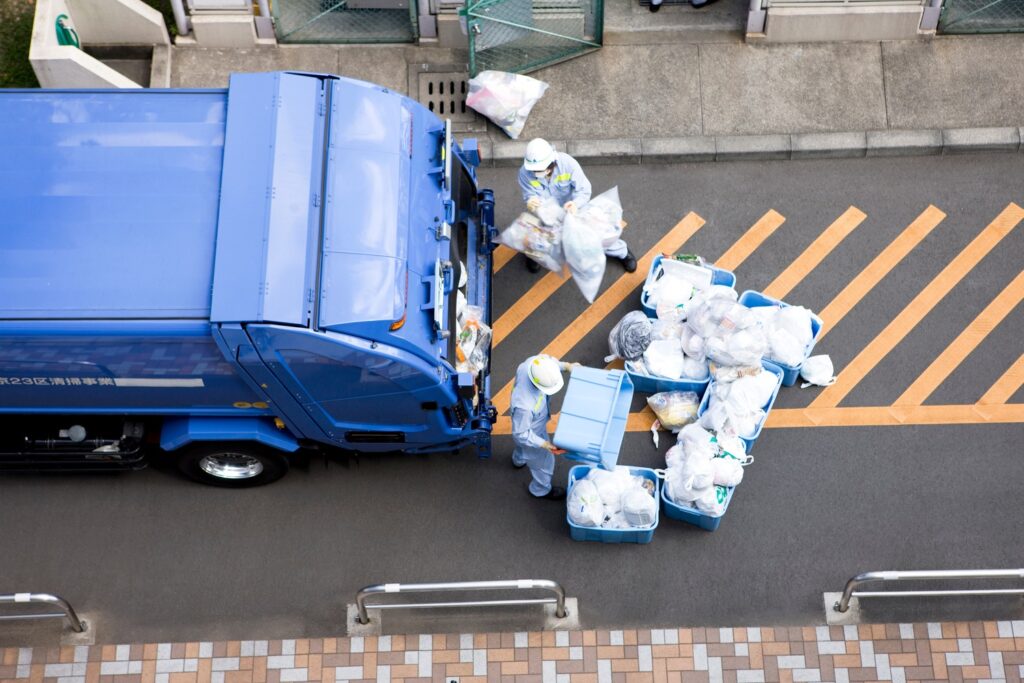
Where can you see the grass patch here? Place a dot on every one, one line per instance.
(15, 38)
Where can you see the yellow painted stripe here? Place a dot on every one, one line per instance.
(815, 253)
(501, 256)
(1007, 385)
(527, 304)
(917, 309)
(751, 240)
(961, 347)
(878, 416)
(608, 300)
(888, 259)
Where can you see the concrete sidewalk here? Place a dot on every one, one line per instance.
(692, 87)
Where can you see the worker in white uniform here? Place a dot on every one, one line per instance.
(537, 378)
(549, 173)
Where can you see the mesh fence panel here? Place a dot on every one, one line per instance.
(345, 21)
(982, 16)
(524, 35)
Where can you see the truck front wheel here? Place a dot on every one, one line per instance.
(232, 465)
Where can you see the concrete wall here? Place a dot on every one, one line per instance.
(118, 22)
(846, 22)
(65, 66)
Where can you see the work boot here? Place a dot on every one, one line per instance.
(629, 262)
(518, 466)
(532, 265)
(556, 493)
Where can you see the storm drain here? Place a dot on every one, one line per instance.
(445, 95)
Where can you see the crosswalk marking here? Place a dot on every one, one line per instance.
(1006, 386)
(751, 240)
(954, 354)
(917, 309)
(610, 298)
(882, 264)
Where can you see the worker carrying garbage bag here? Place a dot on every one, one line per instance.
(537, 378)
(549, 173)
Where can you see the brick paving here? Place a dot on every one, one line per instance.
(962, 651)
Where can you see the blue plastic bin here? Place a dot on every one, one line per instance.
(586, 533)
(594, 414)
(790, 373)
(649, 384)
(692, 515)
(718, 277)
(749, 443)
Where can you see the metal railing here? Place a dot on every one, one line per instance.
(843, 604)
(67, 611)
(518, 584)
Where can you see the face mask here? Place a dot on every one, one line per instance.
(541, 175)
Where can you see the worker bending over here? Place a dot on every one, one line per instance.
(548, 173)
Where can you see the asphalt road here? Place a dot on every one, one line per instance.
(156, 558)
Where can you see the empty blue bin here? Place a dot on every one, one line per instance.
(790, 373)
(718, 277)
(692, 515)
(594, 414)
(749, 442)
(650, 384)
(587, 533)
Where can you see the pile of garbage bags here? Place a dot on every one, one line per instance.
(505, 98)
(555, 239)
(701, 468)
(472, 334)
(612, 500)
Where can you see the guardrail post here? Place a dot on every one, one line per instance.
(68, 612)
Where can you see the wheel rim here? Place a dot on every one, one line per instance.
(233, 466)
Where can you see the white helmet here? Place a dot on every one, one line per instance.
(539, 155)
(546, 374)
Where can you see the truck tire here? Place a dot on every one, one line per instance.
(232, 465)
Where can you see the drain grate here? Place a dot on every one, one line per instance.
(445, 95)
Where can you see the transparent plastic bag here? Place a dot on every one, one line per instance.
(505, 98)
(630, 337)
(473, 342)
(667, 328)
(675, 409)
(712, 501)
(611, 486)
(818, 370)
(550, 212)
(542, 243)
(584, 504)
(584, 254)
(639, 507)
(664, 358)
(604, 214)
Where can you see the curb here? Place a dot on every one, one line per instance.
(871, 143)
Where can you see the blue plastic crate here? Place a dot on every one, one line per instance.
(649, 384)
(586, 533)
(692, 515)
(749, 443)
(790, 373)
(718, 277)
(593, 418)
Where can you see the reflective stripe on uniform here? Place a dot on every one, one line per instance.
(564, 176)
(540, 401)
(535, 183)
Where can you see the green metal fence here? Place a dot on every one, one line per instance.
(982, 16)
(345, 21)
(525, 35)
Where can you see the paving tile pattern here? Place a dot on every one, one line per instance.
(975, 651)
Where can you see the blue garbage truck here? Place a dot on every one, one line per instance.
(231, 278)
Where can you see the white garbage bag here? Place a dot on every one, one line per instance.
(785, 348)
(697, 442)
(695, 369)
(680, 489)
(693, 344)
(818, 370)
(611, 486)
(796, 320)
(604, 214)
(675, 409)
(639, 507)
(728, 472)
(671, 290)
(667, 328)
(736, 347)
(505, 98)
(584, 504)
(584, 254)
(542, 243)
(664, 358)
(712, 501)
(550, 212)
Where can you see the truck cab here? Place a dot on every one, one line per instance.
(238, 274)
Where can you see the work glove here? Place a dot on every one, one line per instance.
(555, 450)
(533, 203)
(568, 367)
(570, 207)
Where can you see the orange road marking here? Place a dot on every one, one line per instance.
(610, 298)
(815, 253)
(751, 240)
(501, 256)
(879, 416)
(961, 347)
(527, 304)
(1006, 386)
(895, 252)
(917, 309)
